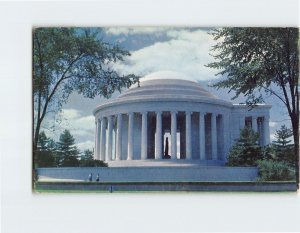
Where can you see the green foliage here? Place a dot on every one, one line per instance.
(268, 152)
(70, 161)
(269, 170)
(72, 59)
(254, 58)
(46, 159)
(282, 146)
(63, 153)
(46, 152)
(80, 58)
(92, 163)
(246, 151)
(87, 160)
(67, 151)
(272, 165)
(87, 155)
(282, 135)
(43, 140)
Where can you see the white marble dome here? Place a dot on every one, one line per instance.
(167, 84)
(135, 125)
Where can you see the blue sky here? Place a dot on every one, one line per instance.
(185, 50)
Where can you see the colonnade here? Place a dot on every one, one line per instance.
(105, 126)
(212, 129)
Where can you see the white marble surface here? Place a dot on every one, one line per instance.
(162, 93)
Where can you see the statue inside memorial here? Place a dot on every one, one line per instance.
(166, 155)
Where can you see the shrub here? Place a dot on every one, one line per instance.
(92, 163)
(246, 151)
(45, 159)
(269, 170)
(70, 161)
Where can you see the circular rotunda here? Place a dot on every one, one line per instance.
(168, 117)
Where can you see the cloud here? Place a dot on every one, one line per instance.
(85, 145)
(272, 137)
(70, 113)
(135, 30)
(186, 52)
(78, 124)
(273, 124)
(81, 127)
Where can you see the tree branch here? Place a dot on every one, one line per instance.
(42, 68)
(290, 78)
(274, 93)
(63, 77)
(284, 92)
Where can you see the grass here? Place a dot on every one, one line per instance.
(106, 188)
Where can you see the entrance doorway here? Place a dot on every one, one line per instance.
(167, 145)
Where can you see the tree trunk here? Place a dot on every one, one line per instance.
(35, 142)
(295, 125)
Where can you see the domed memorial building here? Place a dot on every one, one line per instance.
(170, 120)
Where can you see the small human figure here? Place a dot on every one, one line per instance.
(90, 177)
(97, 178)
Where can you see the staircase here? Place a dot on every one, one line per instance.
(164, 163)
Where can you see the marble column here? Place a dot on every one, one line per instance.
(260, 131)
(202, 135)
(214, 136)
(220, 137)
(242, 121)
(158, 136)
(130, 136)
(266, 130)
(174, 135)
(103, 139)
(254, 123)
(97, 140)
(227, 136)
(119, 137)
(188, 135)
(109, 138)
(144, 146)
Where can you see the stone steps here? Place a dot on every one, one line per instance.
(164, 163)
(150, 174)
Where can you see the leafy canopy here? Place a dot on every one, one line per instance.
(79, 57)
(254, 58)
(72, 59)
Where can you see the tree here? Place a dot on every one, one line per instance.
(256, 59)
(87, 160)
(283, 147)
(45, 152)
(42, 141)
(72, 59)
(87, 155)
(67, 151)
(282, 135)
(246, 151)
